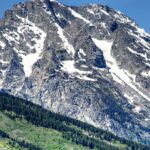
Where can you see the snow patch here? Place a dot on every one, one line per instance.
(2, 44)
(58, 3)
(108, 123)
(103, 25)
(147, 120)
(4, 62)
(77, 15)
(90, 11)
(84, 66)
(59, 16)
(46, 9)
(67, 45)
(145, 74)
(3, 72)
(28, 60)
(105, 46)
(119, 12)
(130, 98)
(81, 53)
(122, 19)
(104, 12)
(86, 117)
(137, 109)
(69, 66)
(124, 76)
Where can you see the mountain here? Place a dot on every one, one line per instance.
(31, 127)
(18, 133)
(91, 63)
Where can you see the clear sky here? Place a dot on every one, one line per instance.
(139, 10)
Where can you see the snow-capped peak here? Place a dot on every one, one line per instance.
(91, 63)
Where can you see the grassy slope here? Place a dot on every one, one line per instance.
(47, 139)
(54, 130)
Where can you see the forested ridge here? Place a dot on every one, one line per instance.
(73, 130)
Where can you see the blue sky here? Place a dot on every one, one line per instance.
(139, 10)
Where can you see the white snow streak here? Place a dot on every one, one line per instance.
(139, 39)
(59, 15)
(140, 31)
(58, 3)
(2, 76)
(147, 60)
(104, 12)
(134, 52)
(122, 18)
(3, 72)
(4, 62)
(123, 75)
(67, 45)
(77, 15)
(81, 53)
(90, 11)
(2, 44)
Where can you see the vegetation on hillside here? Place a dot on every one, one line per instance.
(18, 134)
(69, 130)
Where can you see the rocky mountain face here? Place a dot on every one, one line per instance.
(91, 63)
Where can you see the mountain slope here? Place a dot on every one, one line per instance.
(25, 125)
(91, 63)
(38, 138)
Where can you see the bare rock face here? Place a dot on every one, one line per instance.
(90, 63)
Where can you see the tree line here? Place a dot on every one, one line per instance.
(41, 117)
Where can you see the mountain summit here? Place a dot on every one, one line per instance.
(91, 63)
